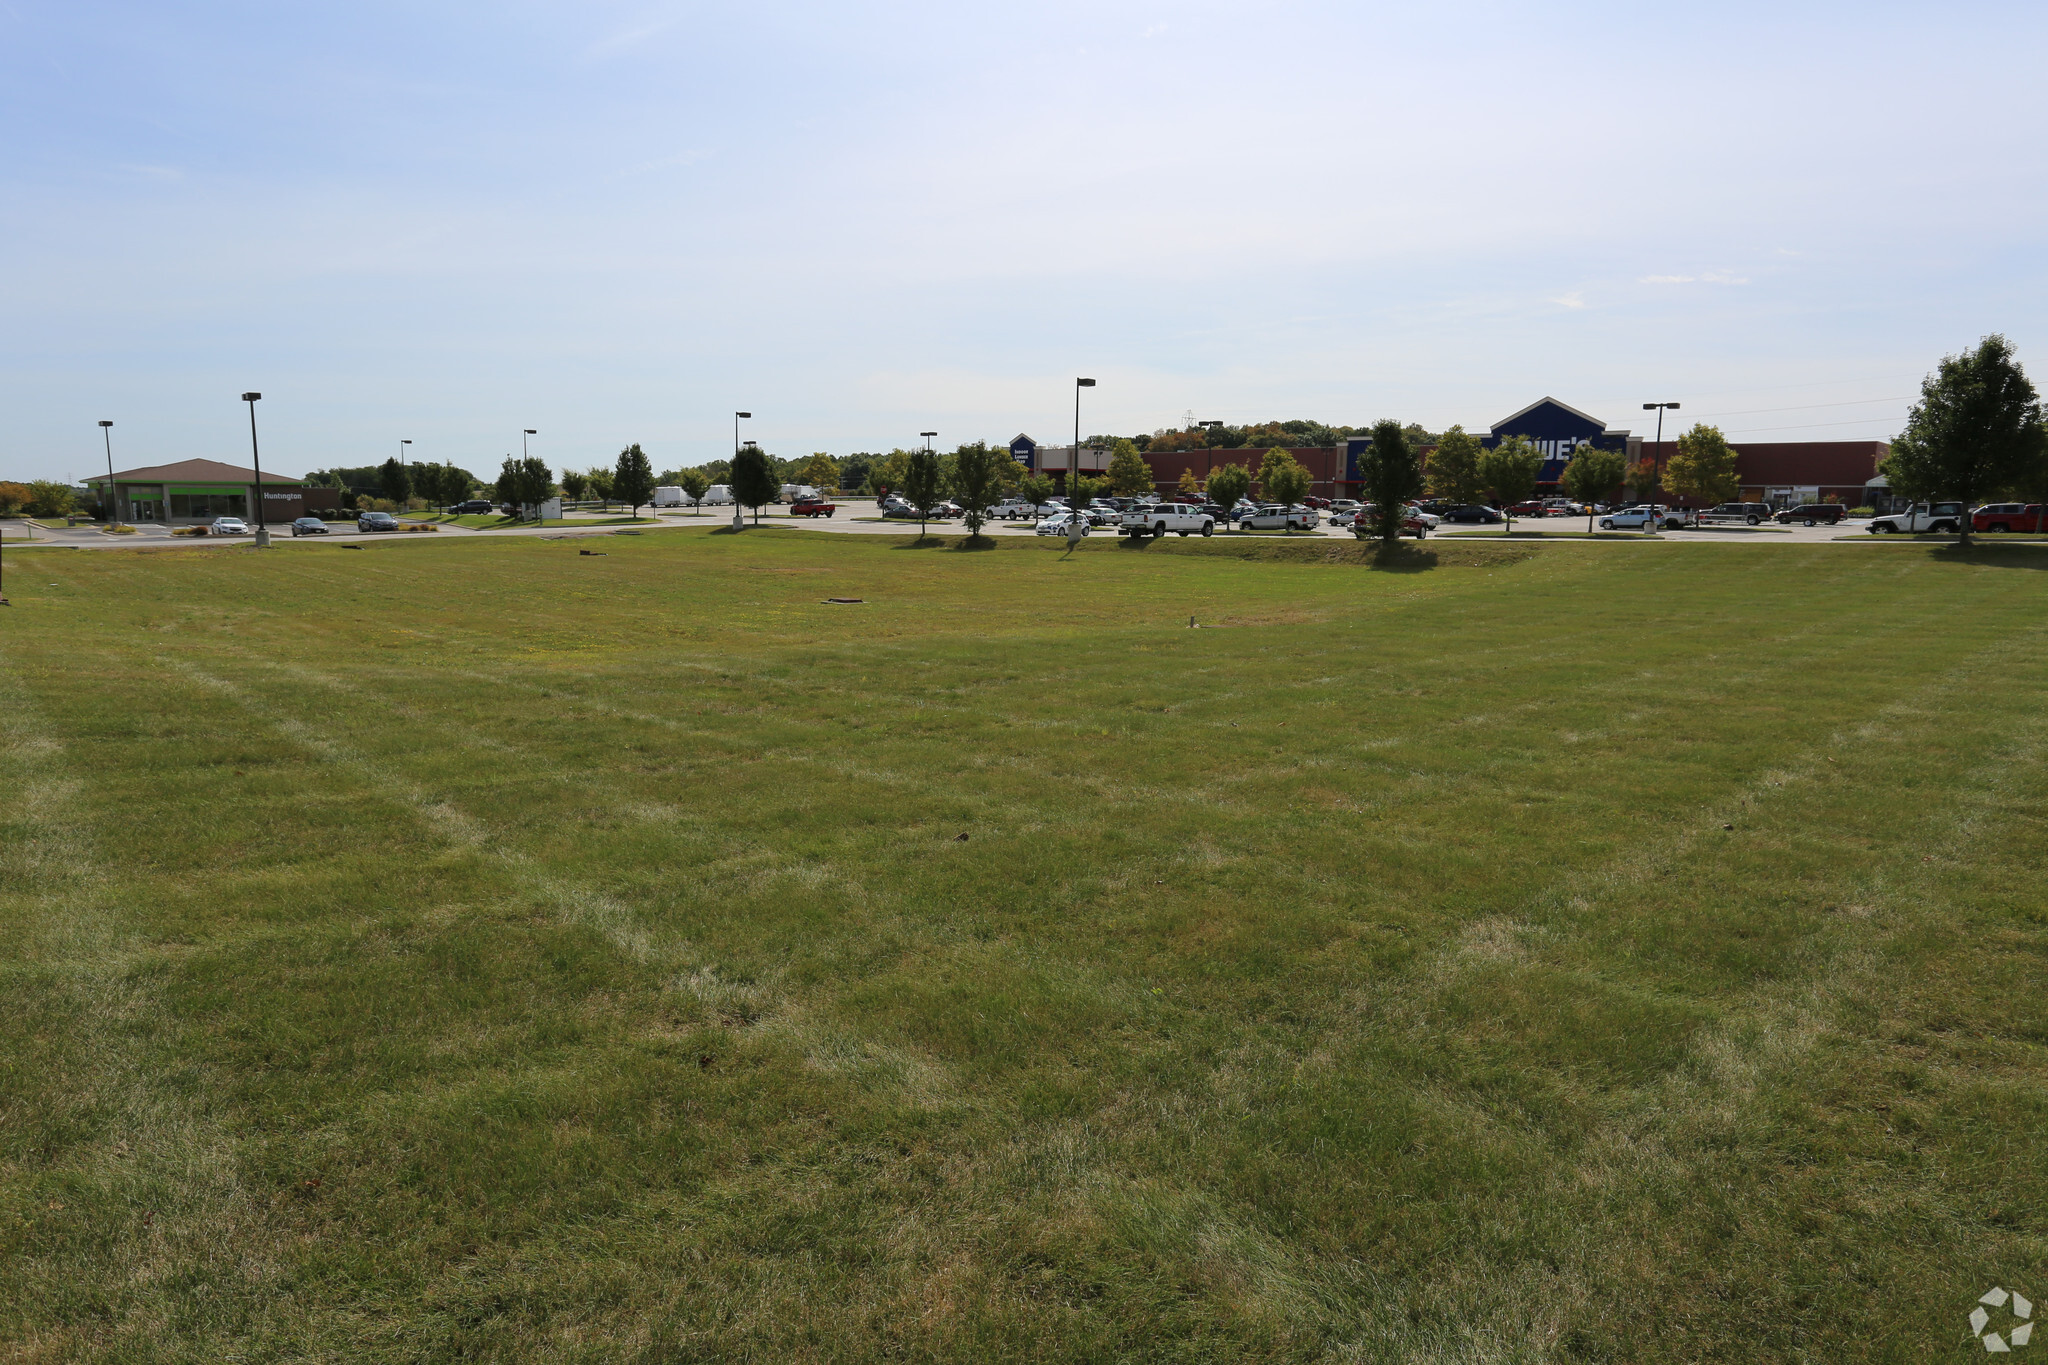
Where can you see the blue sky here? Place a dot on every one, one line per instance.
(620, 222)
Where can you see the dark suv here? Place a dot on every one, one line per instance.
(1814, 513)
(473, 505)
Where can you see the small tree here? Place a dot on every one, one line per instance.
(1976, 430)
(923, 487)
(694, 485)
(1454, 467)
(1508, 472)
(820, 471)
(13, 497)
(1035, 489)
(1592, 475)
(1703, 466)
(633, 479)
(1227, 484)
(1391, 475)
(753, 480)
(533, 483)
(977, 475)
(574, 484)
(597, 482)
(507, 489)
(1283, 480)
(394, 481)
(1128, 472)
(1642, 480)
(454, 484)
(1188, 489)
(885, 474)
(49, 498)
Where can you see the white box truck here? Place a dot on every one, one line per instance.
(718, 495)
(671, 497)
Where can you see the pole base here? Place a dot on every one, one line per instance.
(263, 537)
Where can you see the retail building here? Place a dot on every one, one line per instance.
(192, 492)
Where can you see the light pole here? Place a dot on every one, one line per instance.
(1209, 451)
(739, 522)
(1656, 462)
(1074, 466)
(113, 503)
(262, 526)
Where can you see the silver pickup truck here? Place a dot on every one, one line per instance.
(1180, 518)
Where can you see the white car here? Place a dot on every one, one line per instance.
(228, 526)
(1641, 515)
(1057, 523)
(1052, 508)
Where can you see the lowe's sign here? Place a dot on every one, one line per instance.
(1557, 429)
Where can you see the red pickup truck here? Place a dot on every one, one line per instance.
(2010, 516)
(813, 508)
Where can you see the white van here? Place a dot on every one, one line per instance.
(798, 492)
(666, 496)
(718, 495)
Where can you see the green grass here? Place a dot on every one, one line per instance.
(486, 951)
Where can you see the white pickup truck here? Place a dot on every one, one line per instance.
(1157, 520)
(1921, 517)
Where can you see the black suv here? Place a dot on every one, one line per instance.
(473, 505)
(1814, 513)
(1471, 513)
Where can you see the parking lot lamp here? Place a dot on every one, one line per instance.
(739, 522)
(1074, 466)
(1210, 464)
(1656, 461)
(113, 503)
(256, 455)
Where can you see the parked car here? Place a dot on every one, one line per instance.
(1472, 514)
(1562, 507)
(1274, 517)
(1644, 515)
(1320, 504)
(813, 507)
(1748, 513)
(1413, 523)
(1345, 505)
(309, 526)
(1013, 509)
(227, 526)
(1058, 522)
(903, 511)
(376, 521)
(1814, 513)
(1932, 518)
(1181, 518)
(1052, 508)
(474, 506)
(2010, 516)
(1531, 508)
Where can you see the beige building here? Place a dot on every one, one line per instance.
(193, 492)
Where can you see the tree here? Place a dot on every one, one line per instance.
(1283, 479)
(394, 481)
(532, 482)
(49, 498)
(633, 479)
(694, 486)
(885, 472)
(977, 475)
(1641, 480)
(1454, 467)
(598, 481)
(1087, 489)
(1228, 483)
(1128, 472)
(507, 489)
(1391, 475)
(1703, 466)
(820, 471)
(1036, 489)
(454, 484)
(575, 484)
(922, 485)
(753, 481)
(13, 497)
(1976, 430)
(1593, 475)
(1508, 472)
(1188, 488)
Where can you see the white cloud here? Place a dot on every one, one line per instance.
(1572, 300)
(1666, 279)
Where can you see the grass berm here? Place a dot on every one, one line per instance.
(1506, 953)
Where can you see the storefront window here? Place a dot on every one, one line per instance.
(209, 505)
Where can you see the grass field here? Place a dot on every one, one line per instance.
(1514, 953)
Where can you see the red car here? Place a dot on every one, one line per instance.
(1532, 508)
(813, 507)
(1320, 504)
(2010, 516)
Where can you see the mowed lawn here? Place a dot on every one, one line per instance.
(1531, 953)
